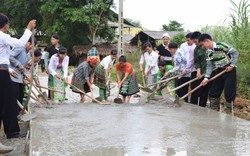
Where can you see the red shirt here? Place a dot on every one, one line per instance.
(128, 68)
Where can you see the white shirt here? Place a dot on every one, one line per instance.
(188, 53)
(43, 54)
(6, 41)
(151, 61)
(53, 63)
(107, 62)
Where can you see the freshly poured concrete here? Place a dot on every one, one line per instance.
(137, 130)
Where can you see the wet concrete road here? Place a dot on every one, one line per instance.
(137, 130)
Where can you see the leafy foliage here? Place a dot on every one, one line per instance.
(21, 12)
(237, 35)
(179, 38)
(93, 13)
(173, 26)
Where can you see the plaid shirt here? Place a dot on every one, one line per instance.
(93, 52)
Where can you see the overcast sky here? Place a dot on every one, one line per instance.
(194, 14)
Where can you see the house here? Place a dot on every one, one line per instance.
(150, 36)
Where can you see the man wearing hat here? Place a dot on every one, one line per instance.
(163, 51)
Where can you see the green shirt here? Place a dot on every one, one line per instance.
(161, 73)
(200, 59)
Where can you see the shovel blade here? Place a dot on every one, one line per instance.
(28, 117)
(118, 100)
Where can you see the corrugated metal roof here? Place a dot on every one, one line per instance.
(157, 35)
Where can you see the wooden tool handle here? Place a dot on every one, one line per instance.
(193, 90)
(143, 79)
(79, 90)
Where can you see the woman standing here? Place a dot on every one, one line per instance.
(150, 58)
(102, 75)
(83, 77)
(58, 71)
(127, 83)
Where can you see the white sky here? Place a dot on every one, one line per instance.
(194, 14)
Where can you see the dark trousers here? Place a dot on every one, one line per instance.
(194, 95)
(8, 105)
(184, 90)
(227, 82)
(202, 94)
(42, 65)
(18, 93)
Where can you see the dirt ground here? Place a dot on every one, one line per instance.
(242, 108)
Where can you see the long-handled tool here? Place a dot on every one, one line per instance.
(150, 91)
(42, 95)
(143, 79)
(169, 79)
(184, 84)
(179, 101)
(54, 90)
(32, 69)
(117, 99)
(27, 116)
(79, 90)
(144, 88)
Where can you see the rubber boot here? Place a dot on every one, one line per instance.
(215, 103)
(229, 109)
(5, 149)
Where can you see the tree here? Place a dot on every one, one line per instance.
(94, 14)
(75, 20)
(179, 38)
(21, 12)
(173, 26)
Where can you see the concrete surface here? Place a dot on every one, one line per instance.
(137, 130)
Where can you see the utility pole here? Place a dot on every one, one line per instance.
(121, 39)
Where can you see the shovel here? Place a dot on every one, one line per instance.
(27, 116)
(160, 86)
(145, 89)
(79, 90)
(117, 99)
(179, 101)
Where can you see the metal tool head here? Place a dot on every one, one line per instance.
(118, 100)
(27, 117)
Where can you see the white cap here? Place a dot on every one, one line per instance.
(165, 35)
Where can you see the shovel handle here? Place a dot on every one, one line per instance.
(21, 106)
(171, 78)
(41, 94)
(184, 84)
(79, 90)
(143, 79)
(193, 90)
(52, 89)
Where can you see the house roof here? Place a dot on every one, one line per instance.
(116, 25)
(116, 19)
(157, 35)
(151, 35)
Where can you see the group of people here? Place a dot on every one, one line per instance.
(199, 57)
